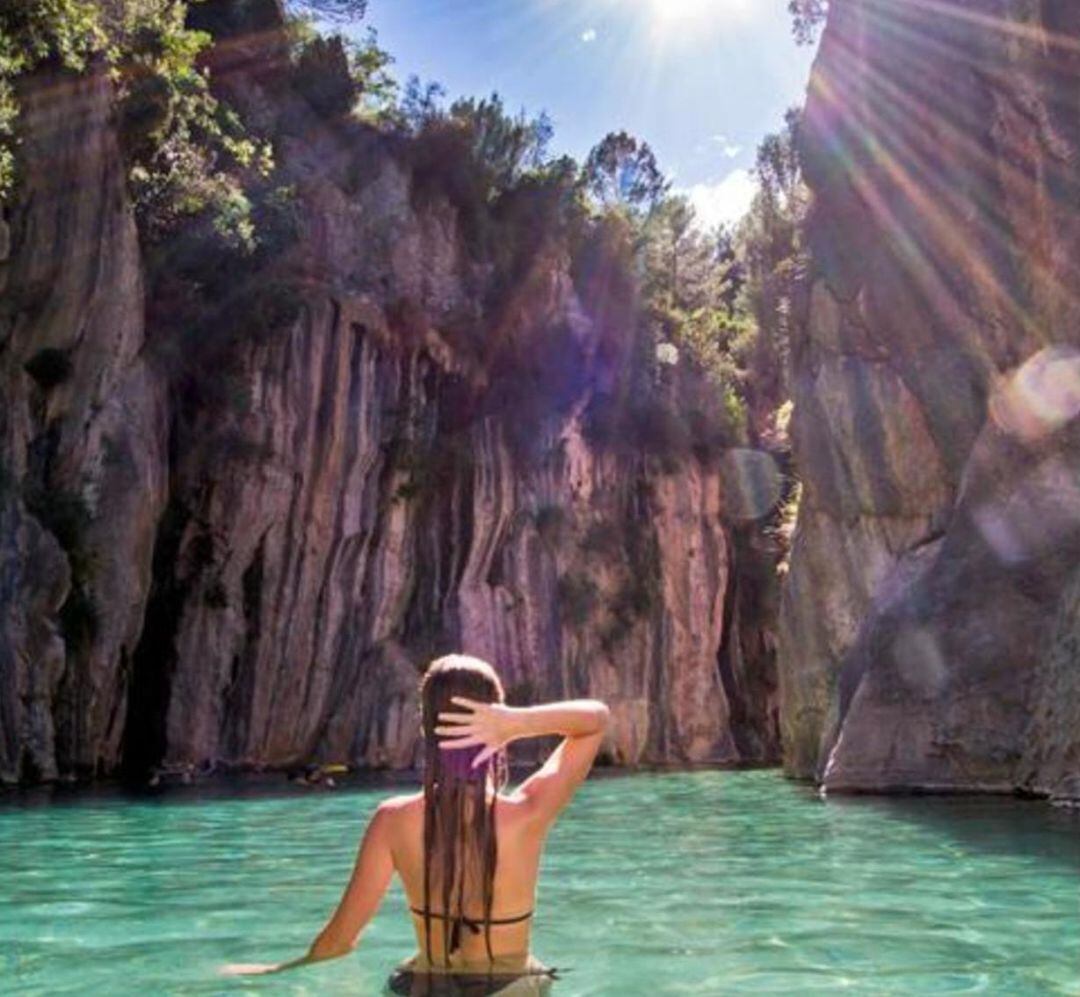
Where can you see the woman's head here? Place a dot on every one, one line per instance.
(446, 677)
(460, 850)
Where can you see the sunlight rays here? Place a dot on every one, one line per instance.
(955, 178)
(690, 13)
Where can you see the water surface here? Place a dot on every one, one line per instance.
(688, 883)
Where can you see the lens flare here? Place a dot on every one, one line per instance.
(1041, 396)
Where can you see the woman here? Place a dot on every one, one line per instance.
(467, 852)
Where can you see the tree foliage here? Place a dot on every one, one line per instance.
(340, 74)
(183, 146)
(505, 146)
(31, 32)
(331, 11)
(371, 69)
(683, 389)
(770, 245)
(485, 161)
(807, 16)
(324, 76)
(420, 105)
(687, 267)
(623, 172)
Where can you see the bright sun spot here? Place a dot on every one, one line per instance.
(689, 12)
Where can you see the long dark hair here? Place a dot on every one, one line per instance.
(457, 836)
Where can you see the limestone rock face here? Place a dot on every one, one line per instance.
(82, 438)
(373, 525)
(927, 633)
(409, 472)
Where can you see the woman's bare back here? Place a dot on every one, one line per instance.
(520, 833)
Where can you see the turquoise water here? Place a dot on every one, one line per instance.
(688, 883)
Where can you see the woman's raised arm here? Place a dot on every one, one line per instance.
(581, 722)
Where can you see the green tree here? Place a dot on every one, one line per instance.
(325, 78)
(183, 146)
(339, 74)
(419, 105)
(371, 69)
(622, 172)
(503, 147)
(687, 288)
(770, 246)
(31, 32)
(687, 267)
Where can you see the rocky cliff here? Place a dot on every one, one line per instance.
(234, 526)
(928, 630)
(396, 463)
(83, 476)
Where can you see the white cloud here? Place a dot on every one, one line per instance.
(729, 148)
(588, 35)
(725, 201)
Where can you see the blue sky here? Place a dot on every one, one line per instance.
(701, 80)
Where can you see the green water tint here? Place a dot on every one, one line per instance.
(687, 883)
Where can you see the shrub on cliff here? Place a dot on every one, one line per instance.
(544, 206)
(638, 596)
(807, 16)
(535, 381)
(183, 146)
(474, 154)
(66, 33)
(340, 75)
(324, 78)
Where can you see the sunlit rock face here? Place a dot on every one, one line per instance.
(409, 473)
(82, 439)
(928, 634)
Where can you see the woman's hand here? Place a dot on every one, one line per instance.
(262, 968)
(489, 724)
(247, 968)
(251, 968)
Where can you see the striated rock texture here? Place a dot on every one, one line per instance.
(928, 630)
(403, 467)
(82, 438)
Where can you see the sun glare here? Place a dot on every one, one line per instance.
(695, 12)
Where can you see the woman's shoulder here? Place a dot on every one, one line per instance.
(408, 808)
(396, 813)
(398, 806)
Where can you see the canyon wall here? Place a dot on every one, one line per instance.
(401, 468)
(928, 629)
(83, 471)
(393, 451)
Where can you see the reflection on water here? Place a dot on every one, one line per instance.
(688, 883)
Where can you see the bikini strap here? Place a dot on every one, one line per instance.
(474, 926)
